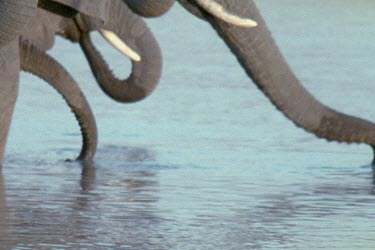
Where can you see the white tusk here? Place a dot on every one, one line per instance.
(116, 42)
(218, 11)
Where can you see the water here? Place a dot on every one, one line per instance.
(206, 162)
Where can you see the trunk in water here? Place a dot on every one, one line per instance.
(258, 54)
(40, 64)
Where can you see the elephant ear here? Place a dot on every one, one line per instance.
(94, 8)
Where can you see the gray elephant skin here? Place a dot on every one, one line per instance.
(16, 54)
(254, 49)
(40, 33)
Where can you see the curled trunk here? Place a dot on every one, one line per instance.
(258, 54)
(134, 32)
(14, 15)
(149, 8)
(40, 64)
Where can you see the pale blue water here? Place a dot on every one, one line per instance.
(206, 162)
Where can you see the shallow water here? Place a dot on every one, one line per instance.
(206, 162)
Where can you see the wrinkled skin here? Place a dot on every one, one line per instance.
(9, 77)
(259, 56)
(129, 27)
(37, 62)
(14, 15)
(146, 8)
(20, 54)
(149, 8)
(79, 18)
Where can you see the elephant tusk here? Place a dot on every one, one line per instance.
(218, 11)
(116, 42)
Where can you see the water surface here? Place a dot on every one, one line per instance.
(206, 162)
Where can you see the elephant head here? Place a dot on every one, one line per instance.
(133, 31)
(122, 26)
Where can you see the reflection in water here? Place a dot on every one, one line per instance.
(133, 206)
(5, 236)
(214, 165)
(88, 177)
(49, 209)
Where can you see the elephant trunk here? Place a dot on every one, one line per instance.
(145, 74)
(149, 8)
(258, 54)
(40, 64)
(14, 15)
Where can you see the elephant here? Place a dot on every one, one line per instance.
(37, 62)
(14, 15)
(33, 60)
(261, 59)
(150, 8)
(16, 53)
(98, 8)
(146, 71)
(259, 56)
(133, 31)
(41, 30)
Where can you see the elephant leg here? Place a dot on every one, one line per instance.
(260, 57)
(9, 78)
(40, 64)
(134, 32)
